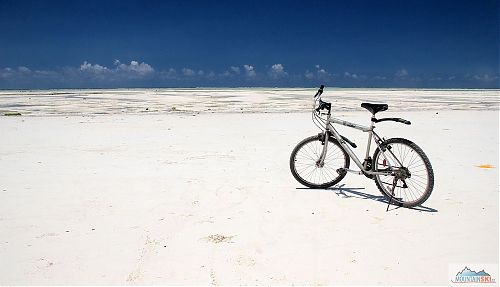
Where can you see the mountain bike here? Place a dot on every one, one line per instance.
(400, 168)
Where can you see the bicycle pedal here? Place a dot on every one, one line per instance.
(341, 171)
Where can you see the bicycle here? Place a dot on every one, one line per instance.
(401, 170)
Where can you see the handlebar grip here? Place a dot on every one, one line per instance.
(320, 91)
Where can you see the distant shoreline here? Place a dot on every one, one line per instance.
(256, 88)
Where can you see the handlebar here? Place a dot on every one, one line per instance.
(322, 105)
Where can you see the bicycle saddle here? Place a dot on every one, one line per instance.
(375, 108)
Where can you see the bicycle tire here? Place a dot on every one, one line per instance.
(417, 183)
(330, 168)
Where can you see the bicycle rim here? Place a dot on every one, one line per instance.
(409, 191)
(306, 168)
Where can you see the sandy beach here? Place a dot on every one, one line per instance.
(128, 187)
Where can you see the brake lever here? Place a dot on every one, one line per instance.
(323, 105)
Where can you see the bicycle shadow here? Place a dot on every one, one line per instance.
(353, 192)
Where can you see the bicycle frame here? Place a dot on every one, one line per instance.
(371, 134)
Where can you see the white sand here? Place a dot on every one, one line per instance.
(139, 199)
(248, 100)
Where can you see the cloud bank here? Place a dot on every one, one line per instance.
(134, 70)
(140, 74)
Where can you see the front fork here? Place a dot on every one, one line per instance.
(324, 141)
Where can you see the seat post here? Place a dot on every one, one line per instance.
(368, 145)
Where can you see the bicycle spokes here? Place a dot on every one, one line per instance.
(411, 178)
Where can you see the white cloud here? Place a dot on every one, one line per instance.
(172, 71)
(23, 69)
(320, 74)
(309, 75)
(27, 76)
(26, 73)
(135, 67)
(349, 75)
(485, 78)
(401, 73)
(192, 73)
(96, 68)
(277, 71)
(232, 72)
(134, 70)
(188, 72)
(170, 74)
(6, 72)
(249, 71)
(235, 69)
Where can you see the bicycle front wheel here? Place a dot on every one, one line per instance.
(412, 172)
(305, 166)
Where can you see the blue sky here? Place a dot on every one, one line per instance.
(422, 44)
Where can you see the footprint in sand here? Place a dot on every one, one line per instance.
(47, 235)
(245, 261)
(149, 248)
(218, 238)
(377, 220)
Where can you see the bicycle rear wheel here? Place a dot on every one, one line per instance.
(304, 163)
(413, 172)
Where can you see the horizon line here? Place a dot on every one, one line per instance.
(242, 87)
